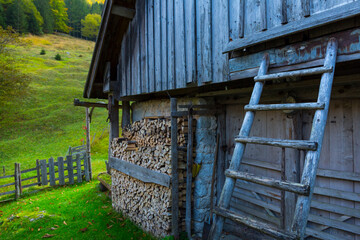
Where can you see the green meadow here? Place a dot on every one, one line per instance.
(43, 125)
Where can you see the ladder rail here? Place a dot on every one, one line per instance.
(225, 197)
(302, 208)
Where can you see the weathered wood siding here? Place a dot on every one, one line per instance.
(174, 44)
(171, 44)
(336, 203)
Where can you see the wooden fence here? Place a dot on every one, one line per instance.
(50, 172)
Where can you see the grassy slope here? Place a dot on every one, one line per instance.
(45, 125)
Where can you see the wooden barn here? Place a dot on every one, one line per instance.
(198, 80)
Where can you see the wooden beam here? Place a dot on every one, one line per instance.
(174, 171)
(79, 103)
(123, 11)
(140, 173)
(125, 121)
(336, 14)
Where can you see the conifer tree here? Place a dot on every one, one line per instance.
(15, 16)
(43, 6)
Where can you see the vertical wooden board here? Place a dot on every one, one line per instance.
(164, 46)
(264, 15)
(252, 20)
(78, 168)
(171, 45)
(138, 55)
(198, 42)
(274, 11)
(220, 38)
(179, 20)
(70, 169)
(123, 67)
(236, 19)
(43, 168)
(295, 11)
(132, 56)
(205, 22)
(341, 155)
(61, 171)
(38, 172)
(52, 172)
(86, 168)
(143, 47)
(157, 43)
(190, 47)
(151, 53)
(128, 62)
(356, 147)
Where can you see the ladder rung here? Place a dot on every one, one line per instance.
(286, 106)
(297, 144)
(298, 73)
(252, 223)
(270, 182)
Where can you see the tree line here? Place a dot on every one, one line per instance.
(79, 18)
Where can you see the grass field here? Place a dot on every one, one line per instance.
(44, 125)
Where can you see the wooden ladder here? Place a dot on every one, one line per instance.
(312, 146)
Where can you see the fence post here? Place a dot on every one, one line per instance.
(86, 168)
(88, 146)
(52, 172)
(70, 169)
(17, 181)
(4, 173)
(61, 170)
(38, 172)
(78, 167)
(44, 180)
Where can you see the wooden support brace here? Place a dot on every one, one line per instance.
(175, 174)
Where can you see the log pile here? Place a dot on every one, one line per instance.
(147, 143)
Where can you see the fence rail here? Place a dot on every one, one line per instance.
(49, 172)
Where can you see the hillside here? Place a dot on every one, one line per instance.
(46, 123)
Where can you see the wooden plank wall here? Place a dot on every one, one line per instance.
(336, 204)
(173, 43)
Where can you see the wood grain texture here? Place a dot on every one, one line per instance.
(52, 172)
(44, 180)
(61, 171)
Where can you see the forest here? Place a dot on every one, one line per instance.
(79, 18)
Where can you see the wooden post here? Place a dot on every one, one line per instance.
(43, 166)
(4, 172)
(174, 171)
(114, 120)
(70, 169)
(38, 172)
(61, 171)
(125, 121)
(78, 167)
(88, 146)
(52, 172)
(221, 166)
(189, 173)
(86, 169)
(17, 177)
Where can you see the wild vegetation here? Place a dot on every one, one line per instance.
(48, 16)
(43, 124)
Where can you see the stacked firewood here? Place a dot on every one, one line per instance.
(147, 143)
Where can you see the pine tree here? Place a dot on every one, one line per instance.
(15, 16)
(2, 17)
(97, 8)
(43, 6)
(77, 10)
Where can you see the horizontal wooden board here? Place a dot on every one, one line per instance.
(140, 173)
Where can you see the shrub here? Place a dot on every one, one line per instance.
(58, 57)
(43, 52)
